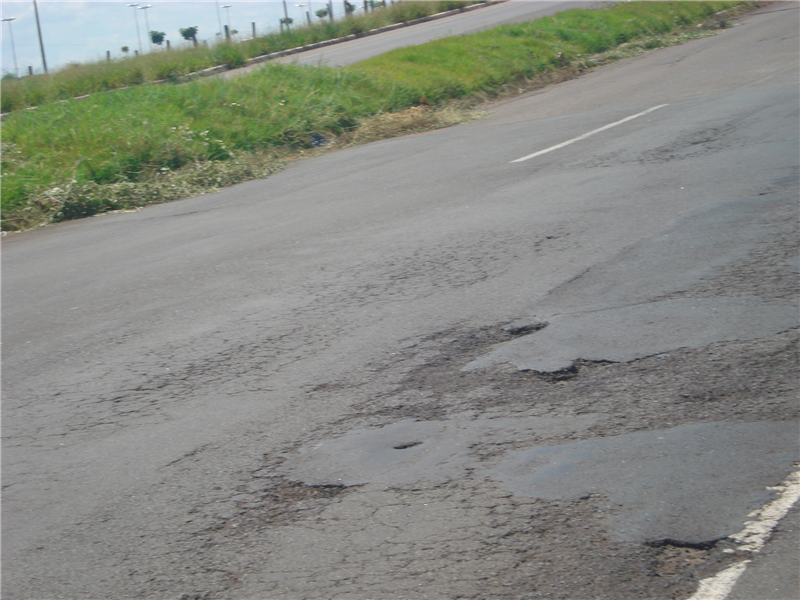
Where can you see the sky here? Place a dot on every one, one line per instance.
(80, 31)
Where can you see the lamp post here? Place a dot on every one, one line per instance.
(13, 50)
(147, 25)
(308, 15)
(39, 29)
(136, 17)
(219, 19)
(227, 8)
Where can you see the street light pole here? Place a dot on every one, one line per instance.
(227, 8)
(308, 15)
(13, 50)
(136, 17)
(219, 19)
(147, 25)
(39, 29)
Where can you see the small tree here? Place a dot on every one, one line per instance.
(349, 8)
(322, 13)
(287, 21)
(157, 37)
(125, 49)
(190, 33)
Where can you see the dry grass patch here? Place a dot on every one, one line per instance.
(416, 119)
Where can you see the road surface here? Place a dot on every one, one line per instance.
(420, 369)
(353, 51)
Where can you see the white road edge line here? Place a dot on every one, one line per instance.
(756, 532)
(719, 586)
(753, 537)
(591, 133)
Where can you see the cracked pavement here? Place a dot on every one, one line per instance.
(330, 383)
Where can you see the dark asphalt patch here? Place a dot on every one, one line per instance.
(692, 483)
(411, 451)
(634, 305)
(631, 332)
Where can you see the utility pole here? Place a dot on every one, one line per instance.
(136, 18)
(39, 28)
(227, 8)
(147, 25)
(308, 13)
(13, 49)
(219, 19)
(285, 12)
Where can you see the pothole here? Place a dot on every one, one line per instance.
(707, 545)
(627, 333)
(406, 445)
(293, 491)
(675, 557)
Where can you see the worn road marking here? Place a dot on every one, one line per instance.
(719, 586)
(753, 537)
(756, 532)
(586, 135)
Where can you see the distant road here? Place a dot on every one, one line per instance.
(347, 53)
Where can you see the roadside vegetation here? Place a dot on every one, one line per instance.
(168, 65)
(152, 144)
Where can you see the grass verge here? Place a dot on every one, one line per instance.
(154, 144)
(79, 79)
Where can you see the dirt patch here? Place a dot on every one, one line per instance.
(752, 380)
(671, 560)
(559, 550)
(265, 503)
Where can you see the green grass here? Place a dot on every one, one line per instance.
(145, 132)
(459, 66)
(156, 143)
(92, 78)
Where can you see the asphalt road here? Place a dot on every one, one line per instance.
(512, 11)
(330, 383)
(353, 51)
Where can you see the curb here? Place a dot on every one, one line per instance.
(280, 54)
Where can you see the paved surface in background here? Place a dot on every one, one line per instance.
(284, 390)
(353, 51)
(513, 11)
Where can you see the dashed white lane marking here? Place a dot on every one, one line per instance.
(752, 539)
(591, 133)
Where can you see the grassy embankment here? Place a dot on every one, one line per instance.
(79, 79)
(158, 143)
